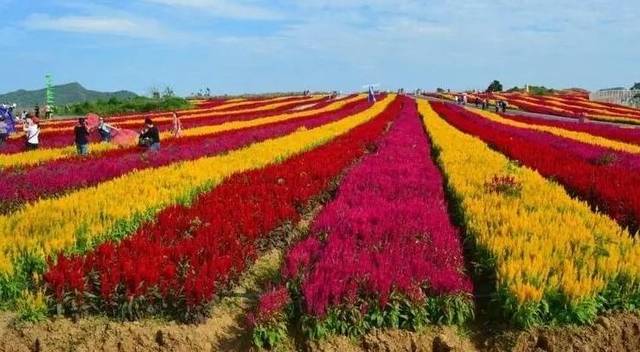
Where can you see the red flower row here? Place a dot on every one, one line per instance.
(615, 132)
(62, 138)
(607, 179)
(179, 262)
(59, 176)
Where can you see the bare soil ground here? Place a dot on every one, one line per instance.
(227, 332)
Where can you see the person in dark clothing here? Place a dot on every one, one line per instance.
(36, 111)
(81, 132)
(150, 136)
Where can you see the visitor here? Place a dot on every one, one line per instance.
(36, 111)
(81, 132)
(177, 125)
(23, 115)
(105, 130)
(31, 132)
(498, 106)
(150, 136)
(504, 106)
(4, 130)
(47, 111)
(477, 102)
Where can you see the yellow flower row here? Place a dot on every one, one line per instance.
(35, 157)
(192, 114)
(53, 225)
(573, 135)
(233, 103)
(603, 115)
(542, 242)
(594, 108)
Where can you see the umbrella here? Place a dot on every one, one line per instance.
(124, 138)
(92, 120)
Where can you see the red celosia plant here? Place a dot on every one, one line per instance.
(177, 264)
(608, 180)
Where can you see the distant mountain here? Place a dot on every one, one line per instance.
(65, 94)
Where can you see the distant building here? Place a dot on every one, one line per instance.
(620, 96)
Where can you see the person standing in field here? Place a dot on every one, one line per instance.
(177, 125)
(31, 132)
(81, 132)
(4, 130)
(105, 130)
(150, 136)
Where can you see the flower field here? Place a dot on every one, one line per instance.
(575, 106)
(407, 213)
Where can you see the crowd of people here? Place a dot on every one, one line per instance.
(500, 105)
(148, 136)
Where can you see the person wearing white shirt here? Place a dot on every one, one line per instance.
(32, 131)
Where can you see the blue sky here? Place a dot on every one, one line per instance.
(258, 46)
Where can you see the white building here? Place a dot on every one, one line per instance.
(617, 96)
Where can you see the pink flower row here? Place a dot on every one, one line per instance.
(388, 231)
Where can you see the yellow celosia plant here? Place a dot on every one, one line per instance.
(190, 115)
(573, 135)
(553, 257)
(35, 157)
(49, 226)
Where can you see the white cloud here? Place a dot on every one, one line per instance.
(126, 26)
(223, 8)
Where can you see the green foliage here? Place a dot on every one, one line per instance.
(31, 307)
(534, 90)
(495, 86)
(269, 336)
(398, 313)
(71, 93)
(115, 106)
(541, 90)
(636, 86)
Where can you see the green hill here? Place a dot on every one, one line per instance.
(65, 94)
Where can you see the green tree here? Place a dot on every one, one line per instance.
(495, 86)
(636, 86)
